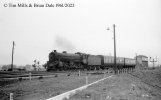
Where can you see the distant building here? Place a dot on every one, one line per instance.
(0, 67)
(28, 67)
(142, 61)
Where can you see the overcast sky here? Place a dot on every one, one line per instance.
(83, 28)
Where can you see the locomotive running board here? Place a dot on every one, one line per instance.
(72, 92)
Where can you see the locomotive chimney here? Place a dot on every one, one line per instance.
(55, 51)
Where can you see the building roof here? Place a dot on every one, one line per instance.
(142, 56)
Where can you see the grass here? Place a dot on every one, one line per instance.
(43, 88)
(124, 87)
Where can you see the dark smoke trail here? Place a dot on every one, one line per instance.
(64, 44)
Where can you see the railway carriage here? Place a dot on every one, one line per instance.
(130, 62)
(120, 61)
(108, 61)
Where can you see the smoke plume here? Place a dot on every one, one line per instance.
(64, 44)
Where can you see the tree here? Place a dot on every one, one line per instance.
(45, 65)
(36, 64)
(7, 67)
(28, 67)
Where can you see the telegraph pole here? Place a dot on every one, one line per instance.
(114, 48)
(158, 62)
(153, 61)
(12, 55)
(136, 59)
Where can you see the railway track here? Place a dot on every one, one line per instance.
(39, 74)
(16, 75)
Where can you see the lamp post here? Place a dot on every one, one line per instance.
(114, 48)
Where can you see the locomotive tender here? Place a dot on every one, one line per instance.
(81, 61)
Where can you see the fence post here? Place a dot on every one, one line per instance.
(79, 72)
(86, 79)
(104, 74)
(11, 96)
(30, 75)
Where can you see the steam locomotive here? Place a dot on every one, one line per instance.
(82, 61)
